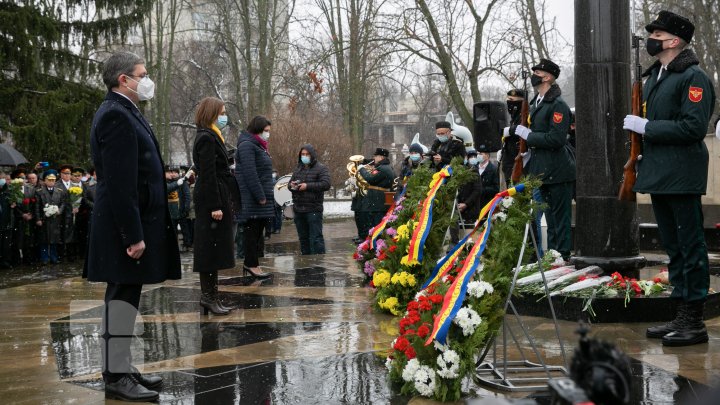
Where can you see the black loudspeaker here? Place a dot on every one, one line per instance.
(489, 119)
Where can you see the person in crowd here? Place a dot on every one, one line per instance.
(187, 222)
(510, 145)
(380, 178)
(52, 203)
(80, 215)
(548, 156)
(445, 147)
(411, 162)
(309, 182)
(67, 225)
(489, 176)
(277, 220)
(6, 222)
(131, 243)
(679, 99)
(214, 190)
(468, 198)
(253, 172)
(356, 206)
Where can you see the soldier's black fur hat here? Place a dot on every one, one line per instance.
(672, 23)
(546, 65)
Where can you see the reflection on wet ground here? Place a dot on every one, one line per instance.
(307, 335)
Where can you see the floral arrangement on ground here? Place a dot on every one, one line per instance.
(423, 362)
(387, 266)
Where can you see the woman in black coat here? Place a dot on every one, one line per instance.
(253, 172)
(214, 190)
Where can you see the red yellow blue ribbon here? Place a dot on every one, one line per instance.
(422, 229)
(455, 296)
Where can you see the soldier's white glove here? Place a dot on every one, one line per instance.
(635, 124)
(522, 132)
(180, 181)
(499, 155)
(506, 132)
(526, 157)
(717, 130)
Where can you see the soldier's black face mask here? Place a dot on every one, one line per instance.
(654, 46)
(535, 80)
(514, 106)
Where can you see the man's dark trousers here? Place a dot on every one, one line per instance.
(309, 229)
(680, 223)
(558, 215)
(119, 312)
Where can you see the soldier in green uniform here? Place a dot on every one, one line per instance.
(679, 99)
(548, 156)
(380, 178)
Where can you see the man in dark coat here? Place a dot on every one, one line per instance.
(548, 156)
(445, 147)
(380, 178)
(679, 99)
(50, 220)
(309, 182)
(510, 147)
(131, 243)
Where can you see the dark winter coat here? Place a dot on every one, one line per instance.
(679, 105)
(551, 159)
(317, 178)
(52, 227)
(448, 150)
(469, 194)
(381, 176)
(511, 147)
(253, 172)
(490, 180)
(130, 200)
(214, 240)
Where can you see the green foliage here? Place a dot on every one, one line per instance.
(49, 88)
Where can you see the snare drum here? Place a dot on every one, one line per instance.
(281, 192)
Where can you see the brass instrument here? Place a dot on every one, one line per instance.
(356, 183)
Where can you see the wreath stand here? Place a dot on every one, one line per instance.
(523, 375)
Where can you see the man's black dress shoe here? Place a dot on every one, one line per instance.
(151, 382)
(128, 389)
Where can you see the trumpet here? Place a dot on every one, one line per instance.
(356, 183)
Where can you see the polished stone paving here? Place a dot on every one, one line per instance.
(307, 335)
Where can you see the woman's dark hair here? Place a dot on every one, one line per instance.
(258, 124)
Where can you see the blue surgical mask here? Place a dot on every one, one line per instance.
(222, 121)
(442, 138)
(473, 161)
(465, 161)
(481, 158)
(2, 182)
(305, 159)
(265, 135)
(414, 157)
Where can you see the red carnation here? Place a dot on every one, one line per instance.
(401, 344)
(409, 332)
(412, 306)
(26, 201)
(657, 280)
(410, 353)
(431, 289)
(382, 255)
(423, 331)
(436, 298)
(392, 248)
(356, 256)
(425, 306)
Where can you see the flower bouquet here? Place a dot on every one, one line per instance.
(437, 350)
(51, 210)
(75, 196)
(16, 192)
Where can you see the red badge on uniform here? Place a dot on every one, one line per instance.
(557, 117)
(695, 94)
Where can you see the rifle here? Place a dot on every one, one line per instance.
(524, 113)
(630, 169)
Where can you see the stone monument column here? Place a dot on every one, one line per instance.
(606, 229)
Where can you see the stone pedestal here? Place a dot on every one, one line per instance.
(606, 230)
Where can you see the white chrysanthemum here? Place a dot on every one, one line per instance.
(500, 216)
(425, 381)
(389, 363)
(393, 343)
(448, 364)
(507, 202)
(479, 288)
(410, 369)
(422, 293)
(468, 320)
(439, 346)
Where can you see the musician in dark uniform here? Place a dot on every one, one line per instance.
(445, 147)
(380, 178)
(679, 99)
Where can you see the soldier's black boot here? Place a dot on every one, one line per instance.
(692, 328)
(657, 332)
(208, 296)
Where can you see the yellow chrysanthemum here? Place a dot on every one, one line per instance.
(391, 305)
(381, 278)
(403, 232)
(406, 262)
(411, 280)
(75, 190)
